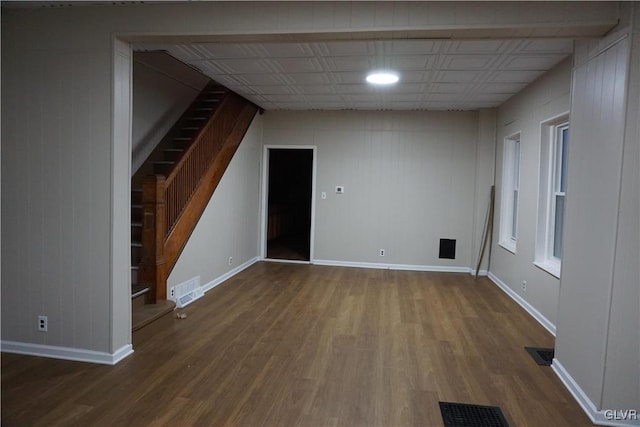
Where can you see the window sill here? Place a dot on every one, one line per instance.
(509, 246)
(550, 267)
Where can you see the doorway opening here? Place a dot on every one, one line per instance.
(289, 204)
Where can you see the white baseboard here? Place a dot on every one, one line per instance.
(546, 323)
(215, 282)
(599, 417)
(67, 353)
(480, 272)
(408, 267)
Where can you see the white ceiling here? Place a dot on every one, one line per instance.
(330, 75)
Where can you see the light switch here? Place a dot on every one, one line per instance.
(324, 195)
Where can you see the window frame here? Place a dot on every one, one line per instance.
(554, 144)
(510, 201)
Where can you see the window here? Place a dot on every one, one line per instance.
(552, 191)
(510, 192)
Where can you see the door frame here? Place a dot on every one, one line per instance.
(265, 197)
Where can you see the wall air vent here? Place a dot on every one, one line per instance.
(447, 249)
(187, 292)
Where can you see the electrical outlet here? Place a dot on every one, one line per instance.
(524, 285)
(230, 260)
(381, 252)
(172, 292)
(43, 323)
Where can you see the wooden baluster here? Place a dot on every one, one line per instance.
(153, 265)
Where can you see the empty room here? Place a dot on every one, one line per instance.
(320, 213)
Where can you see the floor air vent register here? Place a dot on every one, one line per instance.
(542, 356)
(465, 415)
(187, 292)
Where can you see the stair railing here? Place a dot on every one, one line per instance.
(168, 217)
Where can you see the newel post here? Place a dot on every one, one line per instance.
(153, 265)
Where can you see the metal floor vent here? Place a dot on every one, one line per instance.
(542, 356)
(465, 415)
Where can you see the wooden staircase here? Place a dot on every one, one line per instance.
(171, 189)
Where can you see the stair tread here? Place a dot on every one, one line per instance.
(163, 162)
(173, 149)
(136, 224)
(146, 314)
(136, 244)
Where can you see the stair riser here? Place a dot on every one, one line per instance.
(134, 276)
(136, 197)
(171, 155)
(162, 169)
(136, 214)
(136, 233)
(136, 255)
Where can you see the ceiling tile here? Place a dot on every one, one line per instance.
(434, 74)
(514, 76)
(286, 50)
(309, 78)
(478, 46)
(412, 62)
(546, 46)
(444, 97)
(349, 63)
(420, 47)
(357, 77)
(538, 62)
(274, 90)
(267, 79)
(467, 62)
(298, 65)
(450, 76)
(501, 87)
(449, 88)
(347, 48)
(316, 89)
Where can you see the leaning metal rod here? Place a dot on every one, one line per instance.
(488, 230)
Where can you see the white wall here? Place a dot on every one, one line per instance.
(409, 180)
(63, 184)
(163, 88)
(598, 320)
(229, 226)
(545, 98)
(622, 371)
(57, 191)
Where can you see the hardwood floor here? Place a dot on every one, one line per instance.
(287, 345)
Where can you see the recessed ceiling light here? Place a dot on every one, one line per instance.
(382, 77)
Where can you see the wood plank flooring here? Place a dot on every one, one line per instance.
(302, 345)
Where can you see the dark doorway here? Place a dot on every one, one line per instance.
(289, 204)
